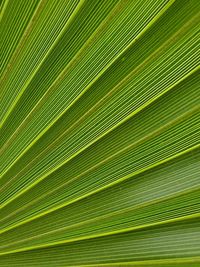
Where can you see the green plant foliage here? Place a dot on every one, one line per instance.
(100, 133)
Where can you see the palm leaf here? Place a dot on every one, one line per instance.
(100, 133)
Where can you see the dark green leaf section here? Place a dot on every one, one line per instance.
(128, 149)
(134, 93)
(74, 34)
(67, 87)
(16, 17)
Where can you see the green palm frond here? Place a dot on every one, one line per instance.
(100, 140)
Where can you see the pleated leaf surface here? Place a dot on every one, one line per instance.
(100, 133)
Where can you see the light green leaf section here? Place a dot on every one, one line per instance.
(155, 196)
(100, 133)
(160, 243)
